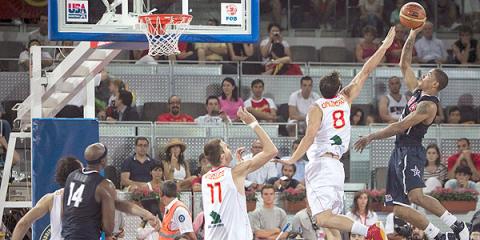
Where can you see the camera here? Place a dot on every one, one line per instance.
(401, 227)
(276, 34)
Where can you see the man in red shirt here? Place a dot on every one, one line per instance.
(262, 108)
(174, 114)
(395, 50)
(464, 157)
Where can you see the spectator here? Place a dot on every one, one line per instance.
(435, 173)
(264, 109)
(211, 51)
(360, 211)
(302, 224)
(267, 221)
(370, 119)
(63, 52)
(299, 103)
(418, 234)
(204, 167)
(448, 14)
(393, 53)
(357, 117)
(41, 33)
(299, 165)
(213, 116)
(124, 111)
(274, 36)
(390, 106)
(324, 11)
(371, 13)
(115, 87)
(136, 169)
(187, 52)
(395, 15)
(153, 205)
(463, 174)
(454, 115)
(286, 181)
(366, 48)
(464, 157)
(174, 114)
(241, 51)
(429, 48)
(174, 164)
(358, 237)
(466, 50)
(259, 177)
(392, 224)
(24, 58)
(280, 63)
(230, 101)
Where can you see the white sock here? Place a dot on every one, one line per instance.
(448, 218)
(431, 231)
(360, 229)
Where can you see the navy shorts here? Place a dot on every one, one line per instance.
(405, 172)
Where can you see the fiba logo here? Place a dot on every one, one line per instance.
(77, 11)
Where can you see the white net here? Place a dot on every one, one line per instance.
(163, 32)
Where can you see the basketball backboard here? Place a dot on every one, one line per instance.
(117, 20)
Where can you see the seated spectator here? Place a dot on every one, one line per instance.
(393, 53)
(358, 237)
(357, 117)
(187, 52)
(465, 157)
(371, 13)
(429, 48)
(115, 87)
(390, 106)
(280, 63)
(24, 58)
(211, 51)
(204, 167)
(299, 165)
(418, 234)
(229, 100)
(63, 52)
(286, 181)
(448, 14)
(463, 174)
(41, 33)
(268, 220)
(259, 177)
(302, 224)
(466, 50)
(153, 205)
(240, 51)
(454, 115)
(370, 119)
(435, 173)
(360, 211)
(366, 48)
(135, 171)
(213, 116)
(264, 109)
(299, 103)
(174, 114)
(395, 15)
(174, 164)
(123, 110)
(274, 36)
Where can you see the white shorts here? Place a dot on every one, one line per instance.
(324, 180)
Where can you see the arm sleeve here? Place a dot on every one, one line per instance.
(247, 103)
(296, 224)
(184, 220)
(389, 224)
(285, 44)
(283, 219)
(254, 221)
(264, 42)
(292, 100)
(271, 103)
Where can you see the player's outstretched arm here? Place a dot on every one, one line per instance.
(42, 208)
(315, 116)
(352, 90)
(425, 110)
(406, 60)
(106, 195)
(133, 209)
(269, 150)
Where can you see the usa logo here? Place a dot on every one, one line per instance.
(77, 11)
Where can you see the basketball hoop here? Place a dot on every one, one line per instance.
(163, 32)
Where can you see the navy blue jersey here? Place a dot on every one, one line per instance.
(414, 135)
(82, 214)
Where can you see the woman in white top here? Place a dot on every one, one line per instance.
(174, 165)
(51, 202)
(361, 210)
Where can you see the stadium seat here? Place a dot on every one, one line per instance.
(193, 109)
(10, 50)
(334, 54)
(303, 53)
(151, 110)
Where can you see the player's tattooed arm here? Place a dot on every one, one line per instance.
(425, 110)
(406, 60)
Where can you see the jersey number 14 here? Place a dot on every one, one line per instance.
(75, 196)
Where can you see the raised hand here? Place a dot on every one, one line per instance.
(387, 42)
(361, 143)
(238, 154)
(245, 116)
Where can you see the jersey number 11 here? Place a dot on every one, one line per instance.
(212, 191)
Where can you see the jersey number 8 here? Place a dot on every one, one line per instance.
(338, 119)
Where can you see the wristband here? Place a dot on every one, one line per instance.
(253, 124)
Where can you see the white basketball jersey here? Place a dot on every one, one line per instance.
(334, 133)
(225, 209)
(56, 216)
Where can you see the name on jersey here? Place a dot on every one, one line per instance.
(215, 175)
(333, 103)
(80, 178)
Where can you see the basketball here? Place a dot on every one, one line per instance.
(412, 15)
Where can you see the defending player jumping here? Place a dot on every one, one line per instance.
(406, 165)
(223, 188)
(326, 140)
